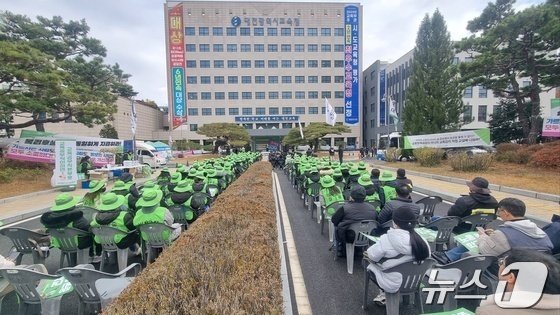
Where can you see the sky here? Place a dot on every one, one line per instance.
(134, 35)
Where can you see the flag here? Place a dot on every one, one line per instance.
(393, 110)
(300, 129)
(133, 118)
(330, 115)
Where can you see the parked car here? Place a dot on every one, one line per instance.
(469, 150)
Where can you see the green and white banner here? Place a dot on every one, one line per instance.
(470, 138)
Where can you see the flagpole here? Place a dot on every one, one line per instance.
(134, 155)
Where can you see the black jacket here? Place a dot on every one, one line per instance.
(61, 219)
(180, 198)
(464, 206)
(353, 212)
(401, 181)
(387, 213)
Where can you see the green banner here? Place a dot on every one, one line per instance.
(555, 107)
(33, 134)
(468, 138)
(53, 288)
(469, 240)
(428, 234)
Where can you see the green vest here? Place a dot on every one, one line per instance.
(117, 223)
(389, 192)
(331, 199)
(155, 216)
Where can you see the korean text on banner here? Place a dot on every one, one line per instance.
(65, 171)
(177, 65)
(551, 127)
(351, 64)
(459, 139)
(330, 114)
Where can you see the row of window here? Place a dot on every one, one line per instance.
(285, 95)
(482, 115)
(260, 79)
(269, 63)
(248, 111)
(260, 31)
(482, 92)
(260, 47)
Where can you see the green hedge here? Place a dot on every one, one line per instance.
(429, 156)
(227, 262)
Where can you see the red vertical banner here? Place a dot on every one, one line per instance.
(177, 66)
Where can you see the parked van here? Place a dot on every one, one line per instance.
(148, 155)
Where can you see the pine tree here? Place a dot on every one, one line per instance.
(433, 99)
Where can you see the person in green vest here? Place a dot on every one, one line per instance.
(372, 195)
(152, 212)
(362, 167)
(339, 179)
(386, 181)
(212, 182)
(167, 187)
(93, 196)
(120, 188)
(330, 194)
(84, 166)
(112, 212)
(182, 196)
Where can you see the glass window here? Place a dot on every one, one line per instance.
(219, 111)
(325, 94)
(339, 31)
(272, 31)
(218, 47)
(245, 31)
(312, 64)
(191, 80)
(245, 63)
(273, 95)
(189, 31)
(219, 79)
(204, 47)
(339, 63)
(286, 125)
(313, 95)
(259, 48)
(339, 109)
(217, 31)
(231, 31)
(338, 94)
(326, 79)
(232, 79)
(299, 47)
(325, 31)
(260, 95)
(191, 63)
(272, 47)
(205, 95)
(205, 79)
(259, 63)
(272, 79)
(313, 110)
(300, 110)
(218, 63)
(260, 111)
(219, 95)
(246, 79)
(203, 31)
(482, 92)
(299, 63)
(286, 31)
(286, 63)
(467, 93)
(205, 63)
(232, 47)
(482, 112)
(245, 47)
(312, 79)
(286, 79)
(286, 47)
(312, 48)
(247, 111)
(286, 110)
(467, 113)
(298, 31)
(286, 95)
(259, 79)
(192, 111)
(325, 63)
(192, 96)
(312, 31)
(325, 47)
(339, 79)
(233, 111)
(207, 112)
(338, 47)
(273, 110)
(233, 95)
(300, 79)
(190, 47)
(246, 95)
(300, 95)
(273, 63)
(258, 31)
(232, 63)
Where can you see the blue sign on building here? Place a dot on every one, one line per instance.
(241, 119)
(383, 100)
(178, 83)
(351, 65)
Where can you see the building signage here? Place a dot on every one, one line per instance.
(459, 139)
(551, 127)
(351, 65)
(268, 21)
(236, 21)
(266, 118)
(383, 100)
(65, 171)
(177, 65)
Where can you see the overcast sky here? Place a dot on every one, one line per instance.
(133, 30)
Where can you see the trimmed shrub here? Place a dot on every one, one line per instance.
(227, 262)
(520, 156)
(547, 157)
(429, 156)
(507, 147)
(465, 163)
(392, 154)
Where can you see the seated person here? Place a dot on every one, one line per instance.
(120, 188)
(372, 195)
(113, 212)
(478, 198)
(375, 173)
(402, 179)
(151, 212)
(180, 196)
(387, 181)
(553, 231)
(330, 194)
(353, 211)
(399, 245)
(549, 303)
(403, 199)
(93, 196)
(517, 232)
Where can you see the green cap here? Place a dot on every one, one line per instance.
(387, 176)
(96, 185)
(149, 184)
(182, 186)
(327, 181)
(365, 180)
(111, 201)
(64, 201)
(119, 185)
(354, 171)
(361, 165)
(150, 198)
(175, 178)
(211, 172)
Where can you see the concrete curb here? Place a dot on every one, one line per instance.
(23, 216)
(33, 194)
(505, 189)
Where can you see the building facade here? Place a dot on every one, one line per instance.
(264, 66)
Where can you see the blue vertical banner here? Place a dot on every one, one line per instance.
(178, 83)
(351, 65)
(382, 98)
